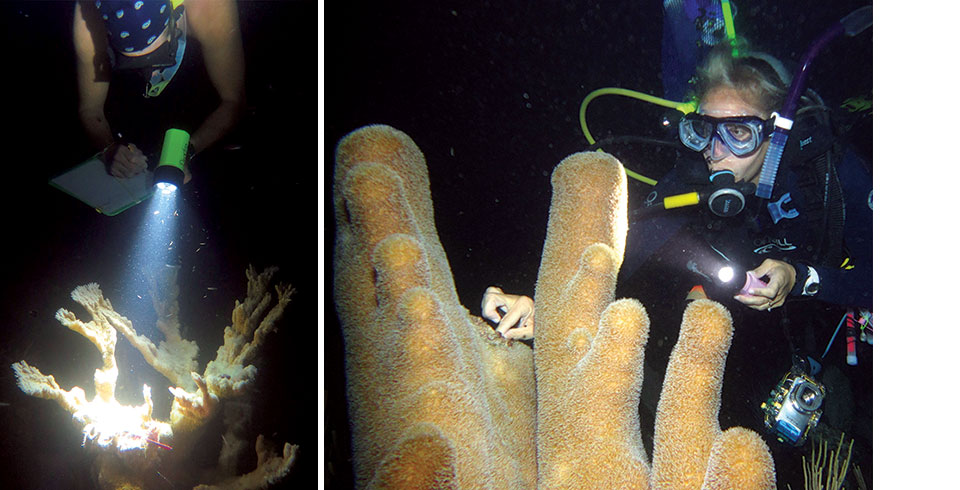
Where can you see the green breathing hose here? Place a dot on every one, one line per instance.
(684, 107)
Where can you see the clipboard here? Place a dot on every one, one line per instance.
(89, 182)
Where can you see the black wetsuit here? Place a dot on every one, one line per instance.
(805, 231)
(661, 243)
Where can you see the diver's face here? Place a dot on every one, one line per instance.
(726, 102)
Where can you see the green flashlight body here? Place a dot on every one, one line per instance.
(173, 157)
(174, 151)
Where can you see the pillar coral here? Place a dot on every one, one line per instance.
(437, 400)
(128, 439)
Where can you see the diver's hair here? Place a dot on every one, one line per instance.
(759, 77)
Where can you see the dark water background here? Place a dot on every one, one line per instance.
(490, 92)
(250, 205)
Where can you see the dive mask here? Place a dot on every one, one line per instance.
(742, 135)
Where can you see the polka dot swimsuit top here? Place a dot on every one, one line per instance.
(132, 25)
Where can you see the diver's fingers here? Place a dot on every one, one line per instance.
(519, 314)
(767, 292)
(132, 156)
(125, 153)
(126, 169)
(753, 301)
(525, 330)
(765, 267)
(491, 302)
(121, 168)
(127, 162)
(781, 296)
(512, 318)
(136, 155)
(520, 333)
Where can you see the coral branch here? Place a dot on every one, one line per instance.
(99, 331)
(175, 357)
(34, 383)
(117, 429)
(589, 355)
(271, 468)
(191, 409)
(229, 374)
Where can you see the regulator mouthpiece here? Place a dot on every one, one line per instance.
(168, 176)
(727, 197)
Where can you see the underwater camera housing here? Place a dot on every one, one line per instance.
(794, 407)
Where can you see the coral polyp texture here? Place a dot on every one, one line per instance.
(437, 399)
(117, 431)
(430, 386)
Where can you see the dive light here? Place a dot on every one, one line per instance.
(725, 275)
(729, 276)
(169, 173)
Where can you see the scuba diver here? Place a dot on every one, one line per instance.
(819, 215)
(809, 237)
(129, 43)
(750, 216)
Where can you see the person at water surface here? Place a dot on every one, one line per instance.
(149, 37)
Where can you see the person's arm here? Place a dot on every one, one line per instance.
(93, 72)
(216, 26)
(836, 285)
(852, 287)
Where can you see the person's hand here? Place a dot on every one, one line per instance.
(512, 313)
(125, 161)
(781, 278)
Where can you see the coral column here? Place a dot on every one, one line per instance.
(689, 450)
(436, 398)
(589, 352)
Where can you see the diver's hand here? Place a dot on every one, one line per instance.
(516, 321)
(781, 278)
(125, 161)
